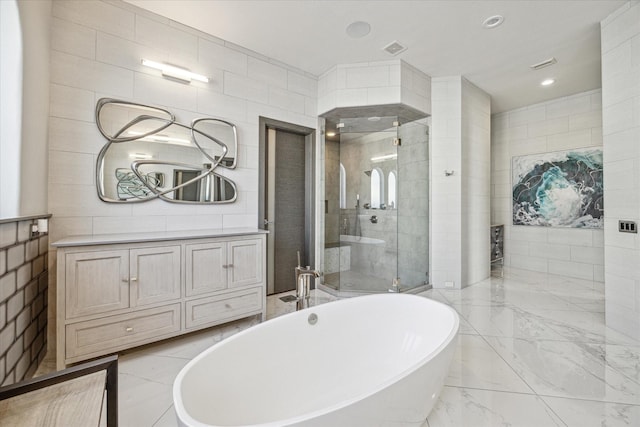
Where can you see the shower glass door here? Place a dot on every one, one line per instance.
(413, 205)
(361, 212)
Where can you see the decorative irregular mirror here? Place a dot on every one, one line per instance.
(223, 131)
(149, 155)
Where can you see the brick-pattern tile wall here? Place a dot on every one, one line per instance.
(23, 300)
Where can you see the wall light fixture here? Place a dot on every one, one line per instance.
(174, 72)
(385, 157)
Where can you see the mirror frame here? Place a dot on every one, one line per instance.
(136, 164)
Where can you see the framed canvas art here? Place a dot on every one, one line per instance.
(559, 189)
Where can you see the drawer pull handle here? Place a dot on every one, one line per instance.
(129, 329)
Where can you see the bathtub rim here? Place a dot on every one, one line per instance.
(182, 414)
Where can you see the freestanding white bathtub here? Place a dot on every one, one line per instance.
(377, 360)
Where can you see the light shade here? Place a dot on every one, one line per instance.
(175, 72)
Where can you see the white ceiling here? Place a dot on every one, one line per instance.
(444, 38)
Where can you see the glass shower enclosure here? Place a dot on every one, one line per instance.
(376, 205)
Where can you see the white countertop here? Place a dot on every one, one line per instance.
(105, 239)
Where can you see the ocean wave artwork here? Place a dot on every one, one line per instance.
(559, 189)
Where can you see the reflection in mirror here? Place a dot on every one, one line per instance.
(120, 121)
(149, 156)
(130, 186)
(188, 184)
(223, 132)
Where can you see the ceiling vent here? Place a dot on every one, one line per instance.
(544, 63)
(394, 48)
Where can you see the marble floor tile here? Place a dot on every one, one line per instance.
(477, 365)
(142, 402)
(465, 327)
(538, 299)
(508, 321)
(589, 413)
(478, 408)
(168, 419)
(566, 369)
(581, 326)
(623, 358)
(150, 367)
(533, 350)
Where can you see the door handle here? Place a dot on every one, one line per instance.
(267, 222)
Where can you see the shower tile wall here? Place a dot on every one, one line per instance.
(332, 193)
(404, 230)
(378, 260)
(374, 83)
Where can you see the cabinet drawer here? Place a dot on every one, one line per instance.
(117, 332)
(222, 307)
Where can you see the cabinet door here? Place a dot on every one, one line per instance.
(245, 262)
(206, 268)
(155, 275)
(96, 282)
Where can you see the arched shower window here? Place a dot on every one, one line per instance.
(391, 198)
(377, 188)
(343, 187)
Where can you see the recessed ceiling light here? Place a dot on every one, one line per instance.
(547, 82)
(493, 21)
(358, 29)
(330, 134)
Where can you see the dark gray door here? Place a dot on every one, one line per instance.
(286, 204)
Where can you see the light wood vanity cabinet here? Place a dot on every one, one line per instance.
(216, 266)
(104, 281)
(117, 292)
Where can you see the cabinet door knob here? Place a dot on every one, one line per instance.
(225, 266)
(134, 279)
(129, 329)
(230, 265)
(125, 280)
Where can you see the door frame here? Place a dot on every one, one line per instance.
(309, 178)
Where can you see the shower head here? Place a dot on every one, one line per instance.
(368, 173)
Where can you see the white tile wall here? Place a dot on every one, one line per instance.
(101, 16)
(73, 38)
(374, 83)
(561, 124)
(71, 103)
(476, 184)
(460, 215)
(621, 133)
(96, 48)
